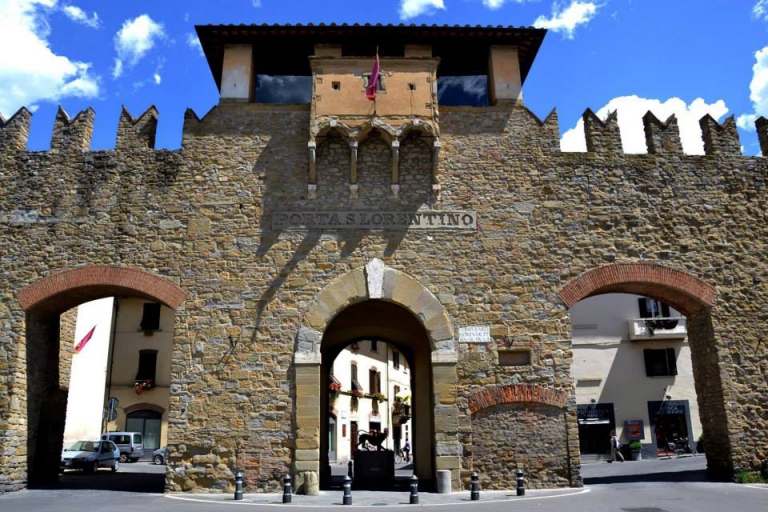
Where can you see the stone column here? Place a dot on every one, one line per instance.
(447, 446)
(237, 80)
(395, 168)
(306, 461)
(504, 81)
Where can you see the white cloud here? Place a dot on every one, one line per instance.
(78, 15)
(631, 110)
(412, 8)
(194, 42)
(134, 40)
(760, 10)
(497, 4)
(566, 20)
(758, 91)
(157, 78)
(31, 72)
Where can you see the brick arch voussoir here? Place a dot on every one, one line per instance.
(96, 277)
(684, 291)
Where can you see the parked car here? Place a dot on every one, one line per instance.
(90, 456)
(160, 456)
(130, 444)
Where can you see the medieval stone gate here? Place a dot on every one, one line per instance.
(278, 229)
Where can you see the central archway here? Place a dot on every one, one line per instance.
(382, 303)
(398, 327)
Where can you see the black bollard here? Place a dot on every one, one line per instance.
(475, 492)
(347, 491)
(414, 490)
(238, 486)
(287, 492)
(520, 487)
(349, 470)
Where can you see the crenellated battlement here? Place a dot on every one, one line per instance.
(720, 139)
(14, 132)
(138, 133)
(602, 136)
(662, 137)
(73, 135)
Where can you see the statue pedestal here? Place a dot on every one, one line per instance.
(374, 470)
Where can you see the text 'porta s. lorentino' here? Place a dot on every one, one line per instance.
(426, 220)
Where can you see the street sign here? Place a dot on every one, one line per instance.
(112, 415)
(113, 403)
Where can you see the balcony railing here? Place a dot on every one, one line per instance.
(657, 328)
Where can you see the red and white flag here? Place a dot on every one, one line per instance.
(83, 341)
(373, 82)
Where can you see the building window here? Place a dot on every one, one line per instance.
(374, 346)
(147, 366)
(150, 319)
(660, 362)
(374, 381)
(652, 308)
(396, 360)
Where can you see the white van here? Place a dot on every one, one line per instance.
(130, 444)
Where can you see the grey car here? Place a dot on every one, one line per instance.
(160, 456)
(90, 456)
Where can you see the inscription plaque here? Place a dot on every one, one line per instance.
(425, 220)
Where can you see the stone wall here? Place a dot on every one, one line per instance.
(201, 217)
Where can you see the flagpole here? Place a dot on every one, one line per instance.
(376, 98)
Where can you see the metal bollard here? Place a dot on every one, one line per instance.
(287, 492)
(475, 492)
(414, 490)
(238, 486)
(350, 474)
(347, 491)
(520, 487)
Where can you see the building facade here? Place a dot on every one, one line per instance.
(461, 236)
(633, 374)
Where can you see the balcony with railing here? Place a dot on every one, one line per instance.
(659, 328)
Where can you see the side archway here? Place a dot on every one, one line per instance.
(42, 303)
(695, 299)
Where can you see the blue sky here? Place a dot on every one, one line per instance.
(688, 57)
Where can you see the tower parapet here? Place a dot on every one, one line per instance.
(661, 137)
(72, 136)
(720, 139)
(14, 132)
(602, 136)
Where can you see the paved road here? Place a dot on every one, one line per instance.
(676, 485)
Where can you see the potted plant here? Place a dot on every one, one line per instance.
(378, 397)
(636, 449)
(334, 388)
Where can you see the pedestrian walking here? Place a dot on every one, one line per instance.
(615, 448)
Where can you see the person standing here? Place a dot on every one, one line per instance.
(407, 449)
(615, 448)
